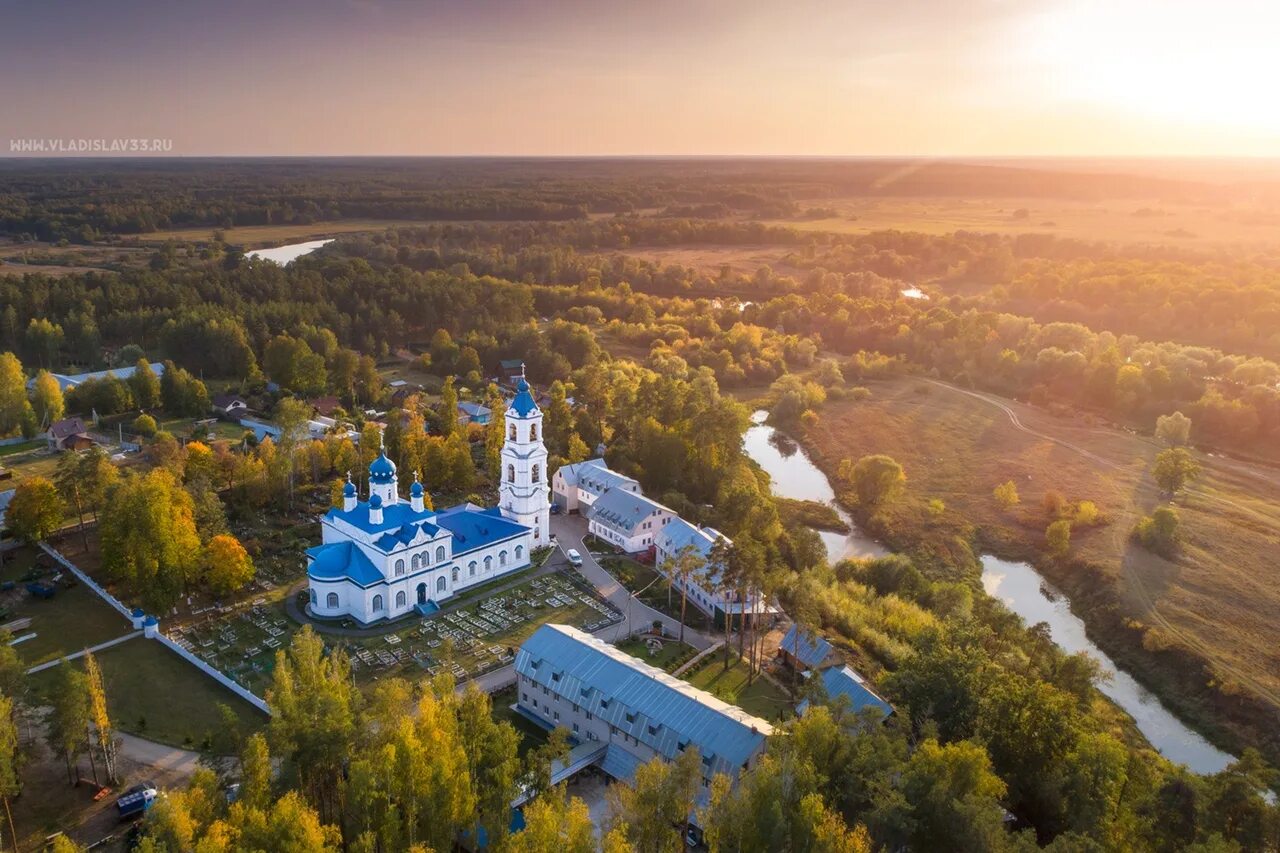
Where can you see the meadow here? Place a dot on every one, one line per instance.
(1217, 598)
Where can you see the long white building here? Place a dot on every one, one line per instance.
(565, 677)
(678, 535)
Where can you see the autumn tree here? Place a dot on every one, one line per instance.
(1006, 495)
(15, 408)
(555, 821)
(145, 385)
(35, 511)
(149, 538)
(10, 762)
(655, 808)
(255, 773)
(1174, 468)
(103, 733)
(495, 432)
(227, 566)
(1174, 429)
(448, 409)
(46, 398)
(876, 479)
(1057, 537)
(67, 729)
(1161, 531)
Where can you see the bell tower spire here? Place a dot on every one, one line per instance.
(524, 493)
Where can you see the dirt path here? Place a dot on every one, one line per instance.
(1132, 578)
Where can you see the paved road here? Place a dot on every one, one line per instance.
(569, 531)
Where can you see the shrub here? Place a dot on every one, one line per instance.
(145, 425)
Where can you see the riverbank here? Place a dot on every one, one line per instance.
(955, 449)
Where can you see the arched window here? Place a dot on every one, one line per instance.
(413, 564)
(399, 599)
(537, 473)
(471, 569)
(440, 554)
(519, 552)
(488, 564)
(513, 432)
(440, 585)
(331, 600)
(399, 567)
(313, 596)
(455, 574)
(502, 558)
(377, 603)
(533, 432)
(511, 473)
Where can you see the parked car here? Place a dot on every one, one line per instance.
(575, 559)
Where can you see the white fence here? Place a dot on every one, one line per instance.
(223, 679)
(88, 581)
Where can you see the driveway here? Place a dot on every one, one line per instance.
(570, 530)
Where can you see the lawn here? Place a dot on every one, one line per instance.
(72, 620)
(156, 694)
(531, 734)
(669, 657)
(761, 698)
(182, 428)
(22, 447)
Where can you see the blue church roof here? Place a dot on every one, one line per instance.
(397, 515)
(843, 681)
(523, 404)
(473, 527)
(342, 561)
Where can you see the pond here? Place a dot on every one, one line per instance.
(1018, 585)
(289, 252)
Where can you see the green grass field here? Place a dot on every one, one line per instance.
(761, 697)
(154, 693)
(669, 657)
(257, 236)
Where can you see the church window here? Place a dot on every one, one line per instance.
(313, 596)
(537, 473)
(440, 554)
(519, 551)
(414, 562)
(533, 432)
(331, 600)
(502, 558)
(511, 473)
(488, 564)
(513, 432)
(440, 586)
(399, 599)
(471, 569)
(455, 574)
(399, 567)
(377, 603)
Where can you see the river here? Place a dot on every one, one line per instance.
(290, 252)
(1018, 585)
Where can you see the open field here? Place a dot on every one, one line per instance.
(668, 657)
(258, 236)
(1112, 220)
(153, 693)
(1218, 598)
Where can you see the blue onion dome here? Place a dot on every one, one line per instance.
(382, 469)
(416, 491)
(523, 404)
(349, 490)
(375, 502)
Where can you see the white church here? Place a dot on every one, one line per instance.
(385, 557)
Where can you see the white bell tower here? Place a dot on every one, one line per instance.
(525, 494)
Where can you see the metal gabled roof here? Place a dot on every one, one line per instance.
(845, 681)
(659, 710)
(623, 510)
(811, 651)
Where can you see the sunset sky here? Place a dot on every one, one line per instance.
(931, 77)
